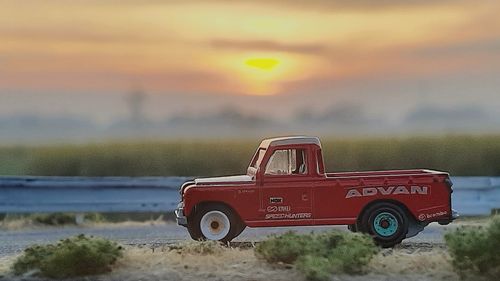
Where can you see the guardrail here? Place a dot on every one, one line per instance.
(86, 194)
(476, 196)
(471, 196)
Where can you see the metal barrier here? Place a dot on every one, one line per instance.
(85, 194)
(476, 196)
(471, 196)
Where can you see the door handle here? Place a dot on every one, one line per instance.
(305, 197)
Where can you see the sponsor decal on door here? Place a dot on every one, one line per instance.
(275, 200)
(389, 190)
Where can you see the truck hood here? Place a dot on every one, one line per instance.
(241, 178)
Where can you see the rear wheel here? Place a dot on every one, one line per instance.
(387, 223)
(214, 222)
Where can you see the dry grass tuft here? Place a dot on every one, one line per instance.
(6, 265)
(430, 265)
(181, 262)
(201, 248)
(17, 224)
(190, 262)
(26, 222)
(174, 263)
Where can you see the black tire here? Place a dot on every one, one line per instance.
(352, 227)
(194, 232)
(240, 229)
(387, 223)
(194, 223)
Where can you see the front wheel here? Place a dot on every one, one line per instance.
(387, 223)
(213, 222)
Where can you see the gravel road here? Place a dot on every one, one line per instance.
(12, 242)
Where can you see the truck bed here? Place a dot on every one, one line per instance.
(387, 173)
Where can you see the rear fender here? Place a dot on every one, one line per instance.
(395, 202)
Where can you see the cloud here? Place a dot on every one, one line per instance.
(468, 118)
(268, 46)
(486, 46)
(340, 114)
(429, 114)
(107, 80)
(82, 35)
(355, 4)
(302, 4)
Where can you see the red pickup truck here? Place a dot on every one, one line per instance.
(286, 185)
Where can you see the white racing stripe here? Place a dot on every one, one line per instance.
(242, 178)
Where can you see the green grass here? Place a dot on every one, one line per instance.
(14, 160)
(317, 256)
(71, 257)
(474, 251)
(55, 219)
(460, 155)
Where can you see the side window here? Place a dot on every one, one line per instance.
(287, 162)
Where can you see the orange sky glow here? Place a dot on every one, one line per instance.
(240, 47)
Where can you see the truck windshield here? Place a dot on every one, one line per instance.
(257, 159)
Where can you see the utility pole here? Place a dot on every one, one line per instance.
(136, 100)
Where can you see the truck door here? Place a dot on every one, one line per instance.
(286, 192)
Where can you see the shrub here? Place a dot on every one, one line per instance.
(474, 251)
(314, 267)
(55, 219)
(318, 255)
(76, 256)
(134, 216)
(58, 219)
(94, 217)
(284, 248)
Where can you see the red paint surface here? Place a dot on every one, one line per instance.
(322, 195)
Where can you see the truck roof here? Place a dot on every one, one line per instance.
(290, 140)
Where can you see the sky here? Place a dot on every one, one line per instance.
(269, 57)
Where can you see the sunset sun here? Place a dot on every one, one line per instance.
(262, 73)
(267, 64)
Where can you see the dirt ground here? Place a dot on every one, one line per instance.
(241, 264)
(234, 264)
(27, 223)
(410, 261)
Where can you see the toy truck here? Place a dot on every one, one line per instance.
(286, 185)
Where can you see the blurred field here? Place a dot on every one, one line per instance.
(460, 155)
